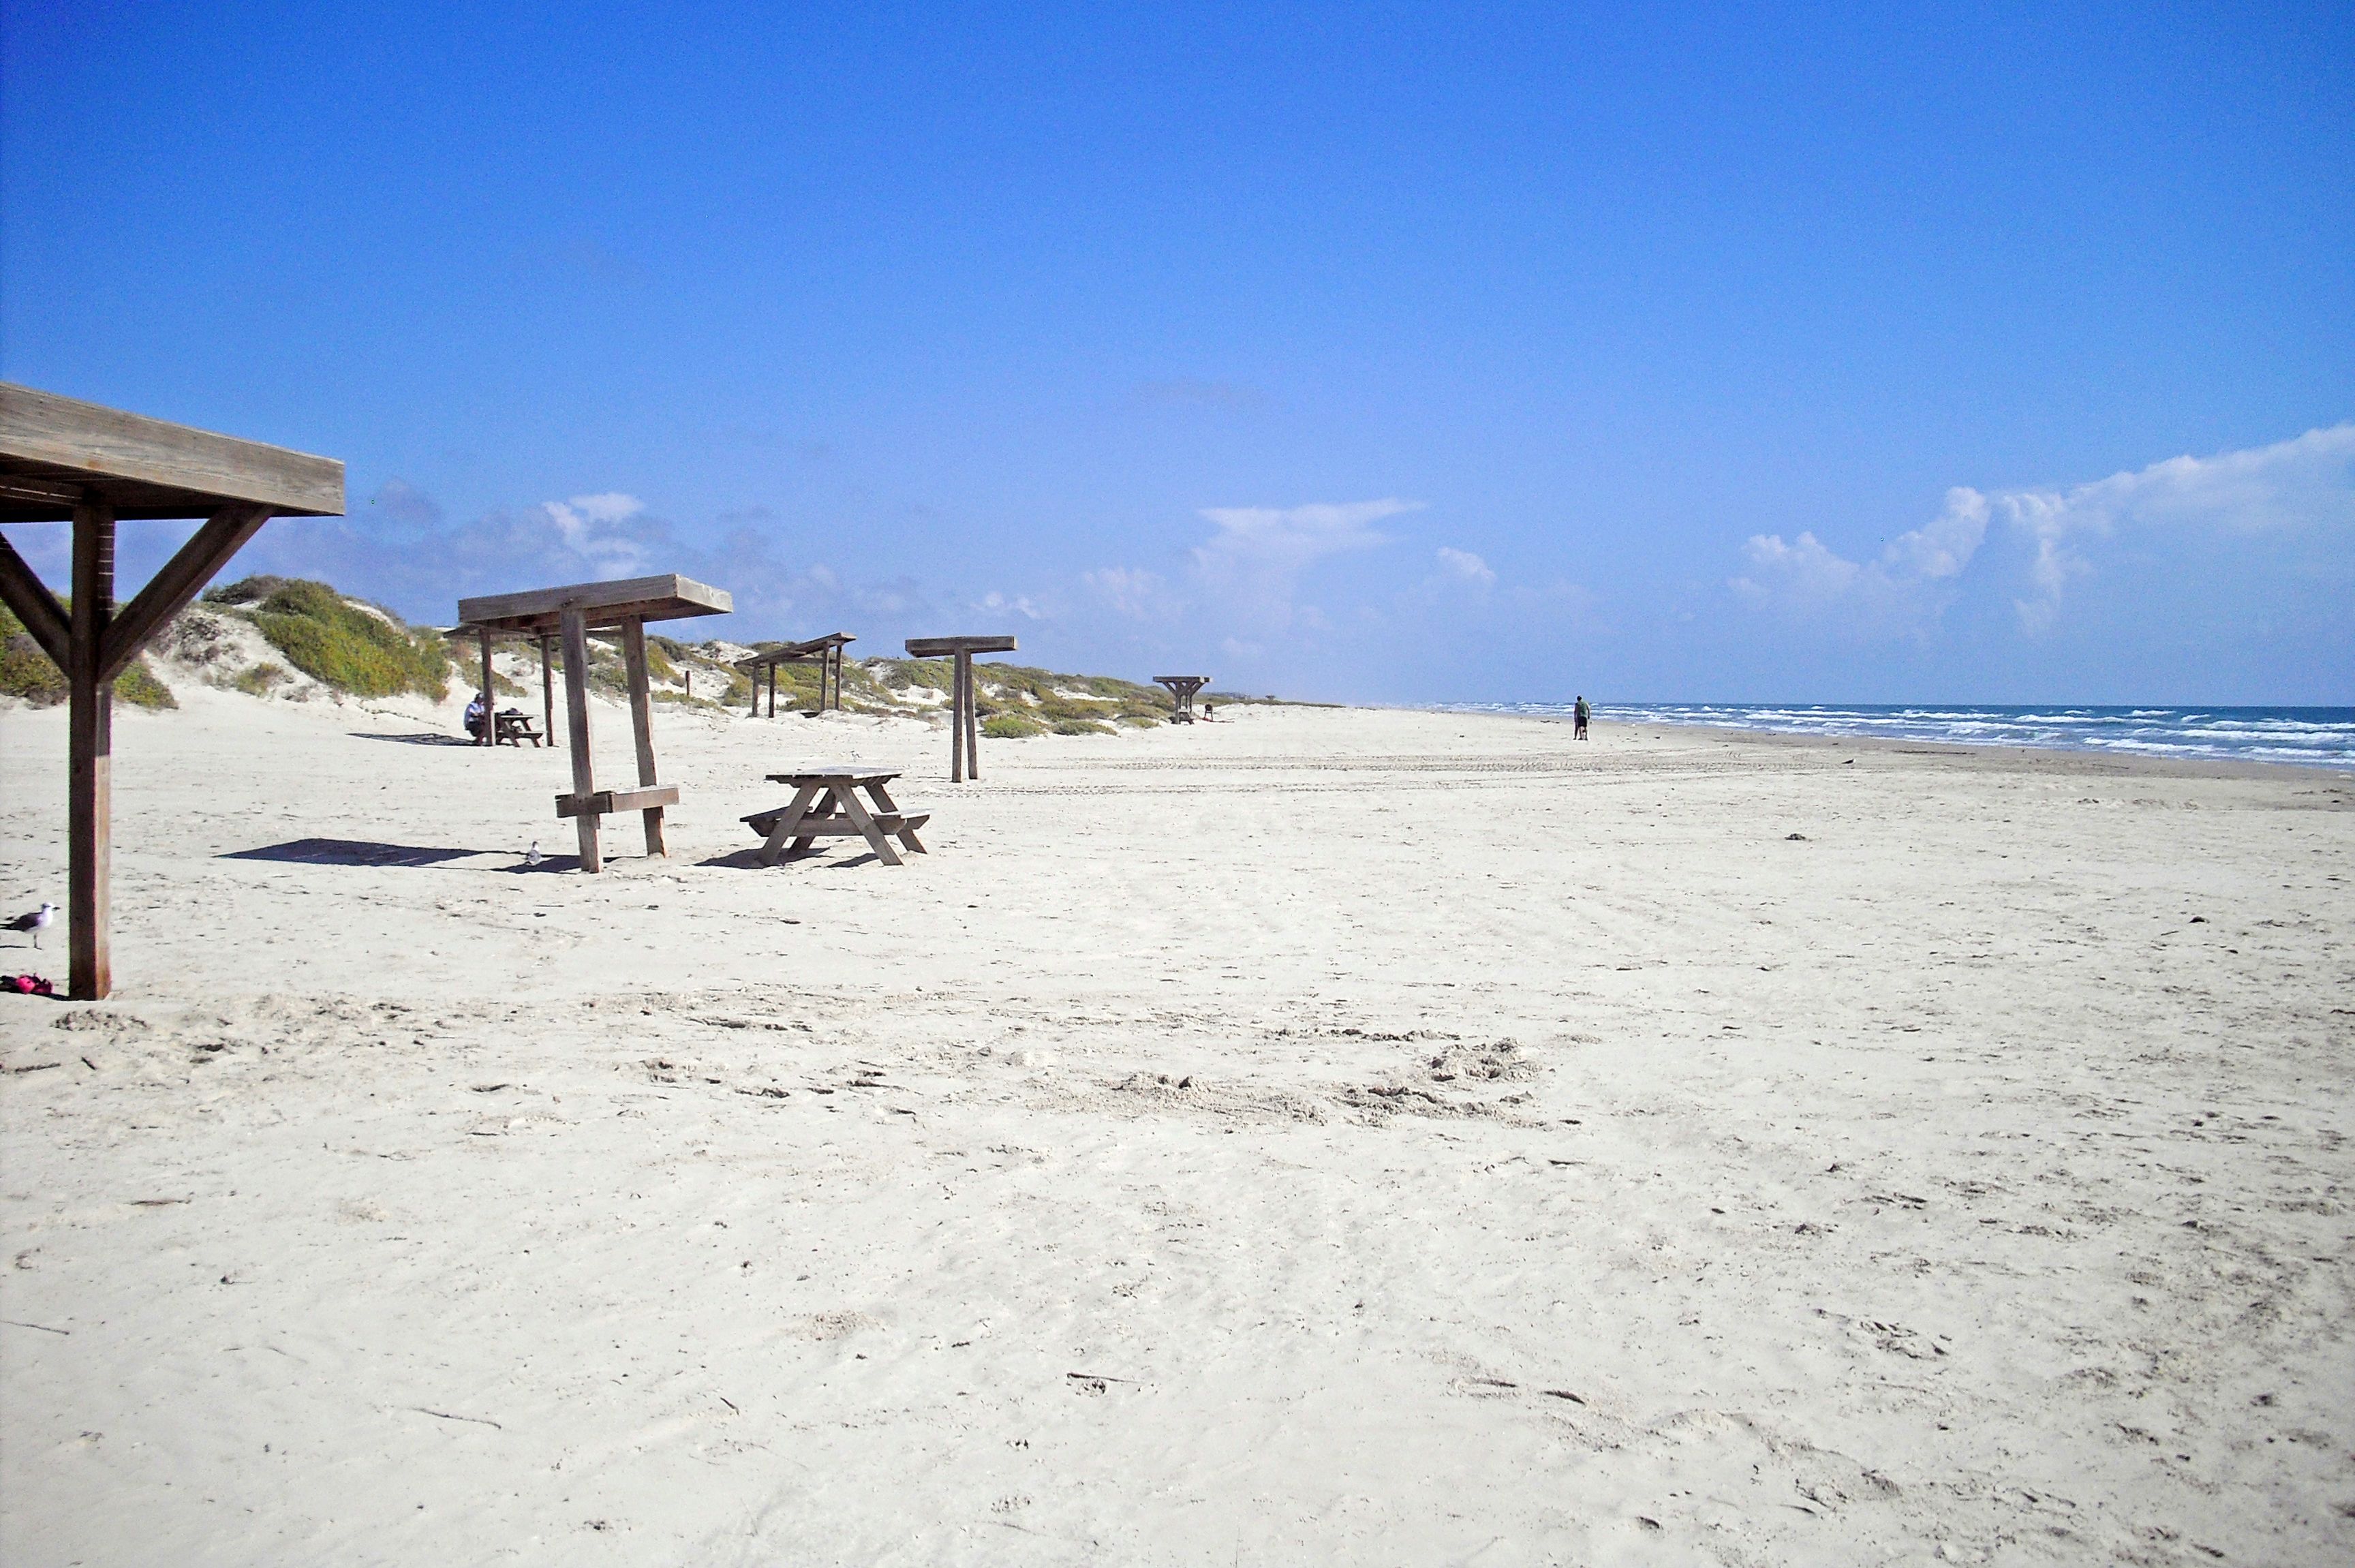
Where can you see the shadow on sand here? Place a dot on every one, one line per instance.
(362, 852)
(415, 738)
(749, 860)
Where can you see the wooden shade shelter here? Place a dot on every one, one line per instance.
(1182, 687)
(824, 652)
(964, 747)
(65, 460)
(569, 614)
(482, 639)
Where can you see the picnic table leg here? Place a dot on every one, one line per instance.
(882, 799)
(576, 715)
(847, 799)
(642, 725)
(782, 830)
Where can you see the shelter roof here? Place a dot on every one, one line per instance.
(938, 648)
(791, 653)
(666, 598)
(54, 450)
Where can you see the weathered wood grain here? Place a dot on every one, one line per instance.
(575, 627)
(942, 647)
(613, 802)
(29, 600)
(665, 598)
(90, 746)
(642, 728)
(147, 467)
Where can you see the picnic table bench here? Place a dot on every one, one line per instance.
(825, 803)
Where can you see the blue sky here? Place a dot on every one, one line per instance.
(1378, 353)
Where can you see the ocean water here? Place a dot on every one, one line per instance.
(2312, 737)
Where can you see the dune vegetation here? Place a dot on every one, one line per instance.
(359, 649)
(354, 648)
(27, 673)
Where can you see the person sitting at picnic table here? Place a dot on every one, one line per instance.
(478, 714)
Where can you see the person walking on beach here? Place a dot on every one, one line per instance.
(1578, 717)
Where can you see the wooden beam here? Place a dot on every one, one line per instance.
(937, 647)
(87, 442)
(90, 745)
(576, 715)
(29, 600)
(610, 801)
(183, 578)
(548, 690)
(665, 598)
(642, 725)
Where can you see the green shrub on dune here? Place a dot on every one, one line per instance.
(336, 642)
(138, 687)
(26, 671)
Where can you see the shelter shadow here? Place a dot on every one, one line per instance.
(352, 852)
(423, 738)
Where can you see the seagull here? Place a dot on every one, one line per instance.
(36, 921)
(531, 856)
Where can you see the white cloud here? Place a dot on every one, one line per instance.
(2305, 482)
(590, 529)
(1806, 575)
(1463, 564)
(1129, 591)
(2302, 484)
(1256, 558)
(1022, 605)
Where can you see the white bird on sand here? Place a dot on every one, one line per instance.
(531, 856)
(36, 923)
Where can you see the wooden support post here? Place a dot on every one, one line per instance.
(972, 721)
(575, 627)
(958, 667)
(547, 693)
(772, 691)
(91, 749)
(642, 725)
(490, 698)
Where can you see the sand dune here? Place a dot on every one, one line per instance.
(1318, 1136)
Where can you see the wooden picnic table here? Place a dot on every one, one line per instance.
(825, 803)
(515, 728)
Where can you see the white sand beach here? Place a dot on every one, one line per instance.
(1321, 1136)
